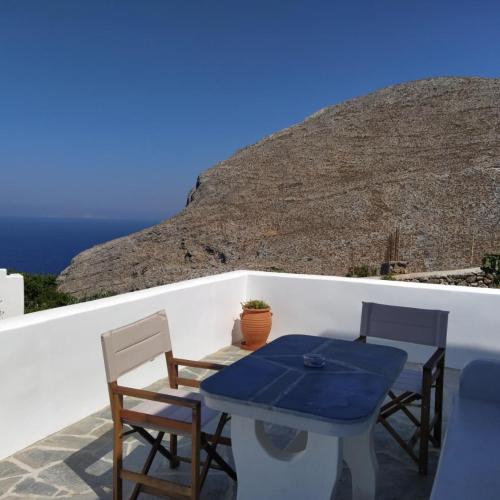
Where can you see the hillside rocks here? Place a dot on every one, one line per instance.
(323, 195)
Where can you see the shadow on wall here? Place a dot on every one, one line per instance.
(236, 335)
(460, 356)
(456, 356)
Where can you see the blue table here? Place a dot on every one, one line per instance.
(335, 406)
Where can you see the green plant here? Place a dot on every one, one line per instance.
(389, 277)
(275, 269)
(40, 293)
(491, 263)
(255, 304)
(361, 271)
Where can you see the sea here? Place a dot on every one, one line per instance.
(46, 245)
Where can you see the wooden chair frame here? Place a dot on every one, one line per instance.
(427, 429)
(139, 422)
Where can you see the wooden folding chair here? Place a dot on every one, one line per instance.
(418, 326)
(170, 411)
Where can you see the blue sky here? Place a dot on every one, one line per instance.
(112, 108)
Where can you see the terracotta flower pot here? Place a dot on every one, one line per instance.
(255, 327)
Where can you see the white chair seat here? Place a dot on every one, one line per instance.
(409, 380)
(172, 411)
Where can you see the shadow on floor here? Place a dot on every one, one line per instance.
(93, 465)
(398, 475)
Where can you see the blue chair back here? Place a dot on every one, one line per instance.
(404, 324)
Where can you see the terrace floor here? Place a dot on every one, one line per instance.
(76, 462)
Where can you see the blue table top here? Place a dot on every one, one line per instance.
(349, 388)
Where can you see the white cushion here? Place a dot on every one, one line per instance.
(469, 468)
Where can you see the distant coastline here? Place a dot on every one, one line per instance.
(46, 245)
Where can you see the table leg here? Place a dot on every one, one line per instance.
(359, 454)
(269, 473)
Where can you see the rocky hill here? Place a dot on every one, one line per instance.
(324, 194)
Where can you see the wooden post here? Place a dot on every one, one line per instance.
(388, 254)
(472, 249)
(392, 250)
(396, 245)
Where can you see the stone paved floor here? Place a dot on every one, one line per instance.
(76, 462)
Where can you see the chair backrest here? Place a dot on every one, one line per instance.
(405, 324)
(132, 345)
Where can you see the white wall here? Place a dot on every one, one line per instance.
(331, 306)
(51, 367)
(11, 294)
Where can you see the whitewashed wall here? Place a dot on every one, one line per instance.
(11, 294)
(51, 367)
(331, 306)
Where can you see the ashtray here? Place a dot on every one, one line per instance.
(314, 360)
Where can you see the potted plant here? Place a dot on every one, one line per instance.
(256, 321)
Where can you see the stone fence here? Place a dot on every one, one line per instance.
(473, 276)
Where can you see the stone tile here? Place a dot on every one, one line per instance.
(83, 427)
(62, 476)
(135, 442)
(63, 441)
(63, 495)
(36, 457)
(97, 449)
(102, 429)
(30, 486)
(99, 468)
(79, 464)
(104, 413)
(6, 484)
(10, 469)
(222, 488)
(158, 384)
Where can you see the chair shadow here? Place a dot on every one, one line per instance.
(88, 464)
(93, 463)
